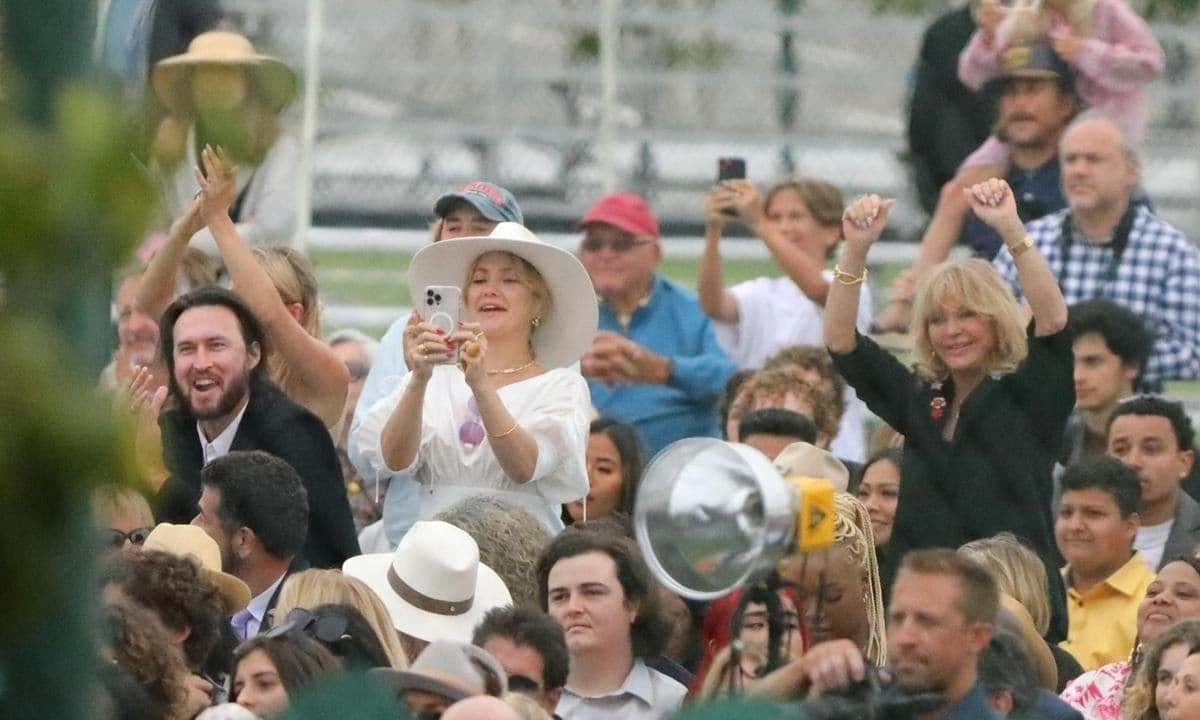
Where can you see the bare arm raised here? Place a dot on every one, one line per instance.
(993, 202)
(319, 379)
(862, 224)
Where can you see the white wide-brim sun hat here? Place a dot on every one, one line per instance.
(433, 585)
(566, 331)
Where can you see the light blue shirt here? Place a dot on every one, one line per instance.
(670, 322)
(646, 694)
(402, 503)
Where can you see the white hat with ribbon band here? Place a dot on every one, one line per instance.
(433, 585)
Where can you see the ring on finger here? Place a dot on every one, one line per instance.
(421, 348)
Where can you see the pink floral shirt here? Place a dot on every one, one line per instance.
(1097, 693)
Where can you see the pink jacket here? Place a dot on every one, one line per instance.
(1112, 69)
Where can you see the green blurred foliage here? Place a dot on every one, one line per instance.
(70, 185)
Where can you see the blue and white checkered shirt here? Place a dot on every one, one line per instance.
(1158, 278)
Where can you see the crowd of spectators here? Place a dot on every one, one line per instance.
(447, 513)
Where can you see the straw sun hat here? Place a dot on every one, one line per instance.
(172, 77)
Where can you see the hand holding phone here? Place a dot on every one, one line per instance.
(442, 308)
(730, 168)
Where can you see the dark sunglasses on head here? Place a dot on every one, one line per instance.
(113, 537)
(328, 629)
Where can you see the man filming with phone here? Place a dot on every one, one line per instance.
(941, 619)
(655, 362)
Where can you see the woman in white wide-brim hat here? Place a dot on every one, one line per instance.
(496, 406)
(221, 92)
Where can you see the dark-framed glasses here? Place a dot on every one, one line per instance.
(114, 538)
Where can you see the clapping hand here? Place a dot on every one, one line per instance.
(141, 397)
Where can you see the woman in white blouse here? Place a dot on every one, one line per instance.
(497, 406)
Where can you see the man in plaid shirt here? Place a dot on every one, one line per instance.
(1104, 245)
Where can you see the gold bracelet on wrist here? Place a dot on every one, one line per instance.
(846, 278)
(507, 432)
(1017, 248)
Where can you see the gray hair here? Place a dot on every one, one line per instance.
(354, 335)
(510, 541)
(1128, 150)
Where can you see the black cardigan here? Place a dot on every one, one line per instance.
(996, 473)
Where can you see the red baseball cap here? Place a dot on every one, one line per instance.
(622, 210)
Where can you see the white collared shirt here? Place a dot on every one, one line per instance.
(646, 694)
(258, 607)
(219, 447)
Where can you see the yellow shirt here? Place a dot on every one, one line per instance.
(1102, 623)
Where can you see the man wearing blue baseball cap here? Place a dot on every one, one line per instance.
(470, 211)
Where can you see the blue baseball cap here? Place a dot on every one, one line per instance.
(1036, 61)
(492, 201)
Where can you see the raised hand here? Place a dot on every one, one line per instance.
(863, 222)
(190, 222)
(988, 17)
(992, 201)
(218, 183)
(141, 397)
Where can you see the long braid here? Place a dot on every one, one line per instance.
(852, 530)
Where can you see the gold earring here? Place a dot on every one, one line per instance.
(536, 322)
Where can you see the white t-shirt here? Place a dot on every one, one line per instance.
(1151, 541)
(553, 407)
(773, 313)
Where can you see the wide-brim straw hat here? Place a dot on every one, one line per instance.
(433, 585)
(801, 459)
(272, 79)
(191, 541)
(566, 331)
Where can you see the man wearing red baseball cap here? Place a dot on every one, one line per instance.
(656, 362)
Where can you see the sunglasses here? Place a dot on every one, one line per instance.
(524, 684)
(328, 629)
(620, 244)
(114, 538)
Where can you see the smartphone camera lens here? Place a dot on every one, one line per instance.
(429, 293)
(437, 297)
(429, 301)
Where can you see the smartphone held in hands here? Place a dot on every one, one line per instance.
(731, 168)
(442, 308)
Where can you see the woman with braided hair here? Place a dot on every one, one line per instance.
(841, 596)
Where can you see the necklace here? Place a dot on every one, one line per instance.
(513, 370)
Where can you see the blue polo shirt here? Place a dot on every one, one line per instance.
(669, 322)
(973, 706)
(1038, 193)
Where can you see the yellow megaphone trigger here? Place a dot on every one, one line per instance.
(815, 516)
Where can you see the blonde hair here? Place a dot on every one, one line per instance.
(108, 501)
(530, 277)
(774, 385)
(977, 287)
(1019, 572)
(1137, 703)
(526, 707)
(312, 588)
(292, 274)
(852, 532)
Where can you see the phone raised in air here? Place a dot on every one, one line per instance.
(731, 168)
(442, 308)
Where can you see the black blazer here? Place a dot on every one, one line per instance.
(274, 424)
